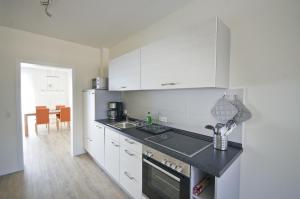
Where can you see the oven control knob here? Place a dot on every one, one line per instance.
(179, 169)
(173, 166)
(164, 161)
(168, 164)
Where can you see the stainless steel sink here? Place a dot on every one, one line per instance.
(124, 125)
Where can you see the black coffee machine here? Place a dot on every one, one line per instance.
(115, 110)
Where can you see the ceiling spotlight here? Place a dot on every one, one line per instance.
(46, 4)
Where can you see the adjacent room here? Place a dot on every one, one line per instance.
(46, 105)
(169, 99)
(50, 88)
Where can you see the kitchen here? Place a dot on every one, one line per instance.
(153, 160)
(154, 129)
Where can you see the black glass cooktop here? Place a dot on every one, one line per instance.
(180, 143)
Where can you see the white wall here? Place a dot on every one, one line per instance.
(19, 46)
(47, 85)
(265, 46)
(187, 109)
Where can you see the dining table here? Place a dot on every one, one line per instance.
(26, 115)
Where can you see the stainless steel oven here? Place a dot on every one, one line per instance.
(164, 177)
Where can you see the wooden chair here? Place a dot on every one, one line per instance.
(65, 116)
(42, 117)
(58, 107)
(37, 107)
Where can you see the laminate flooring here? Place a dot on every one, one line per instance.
(51, 172)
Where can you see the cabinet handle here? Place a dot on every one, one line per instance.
(99, 127)
(128, 141)
(130, 177)
(123, 87)
(130, 154)
(168, 84)
(116, 145)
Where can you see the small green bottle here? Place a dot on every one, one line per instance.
(149, 119)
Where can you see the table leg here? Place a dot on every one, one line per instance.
(26, 125)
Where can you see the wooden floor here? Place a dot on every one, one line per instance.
(51, 172)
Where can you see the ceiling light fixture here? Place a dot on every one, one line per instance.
(46, 4)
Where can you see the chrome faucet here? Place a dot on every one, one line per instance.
(126, 115)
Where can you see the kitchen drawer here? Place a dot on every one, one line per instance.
(131, 184)
(99, 127)
(131, 161)
(131, 144)
(112, 134)
(131, 171)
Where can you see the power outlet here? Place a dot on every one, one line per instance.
(163, 119)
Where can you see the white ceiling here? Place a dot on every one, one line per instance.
(97, 23)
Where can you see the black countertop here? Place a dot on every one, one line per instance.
(211, 161)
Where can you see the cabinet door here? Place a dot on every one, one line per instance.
(97, 145)
(112, 134)
(182, 61)
(85, 120)
(112, 157)
(88, 116)
(130, 143)
(124, 72)
(131, 171)
(188, 58)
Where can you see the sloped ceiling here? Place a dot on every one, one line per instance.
(97, 23)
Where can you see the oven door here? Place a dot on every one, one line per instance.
(161, 182)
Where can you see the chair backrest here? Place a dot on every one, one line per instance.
(57, 107)
(38, 107)
(65, 115)
(42, 116)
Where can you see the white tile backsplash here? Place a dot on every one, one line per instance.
(187, 109)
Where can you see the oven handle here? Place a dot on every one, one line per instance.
(162, 170)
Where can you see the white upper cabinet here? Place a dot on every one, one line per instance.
(124, 72)
(192, 58)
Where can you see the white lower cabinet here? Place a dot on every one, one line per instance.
(122, 160)
(97, 146)
(131, 171)
(112, 157)
(120, 156)
(87, 144)
(94, 142)
(89, 117)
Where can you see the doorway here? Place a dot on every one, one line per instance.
(50, 88)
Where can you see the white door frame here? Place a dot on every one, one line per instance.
(19, 109)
